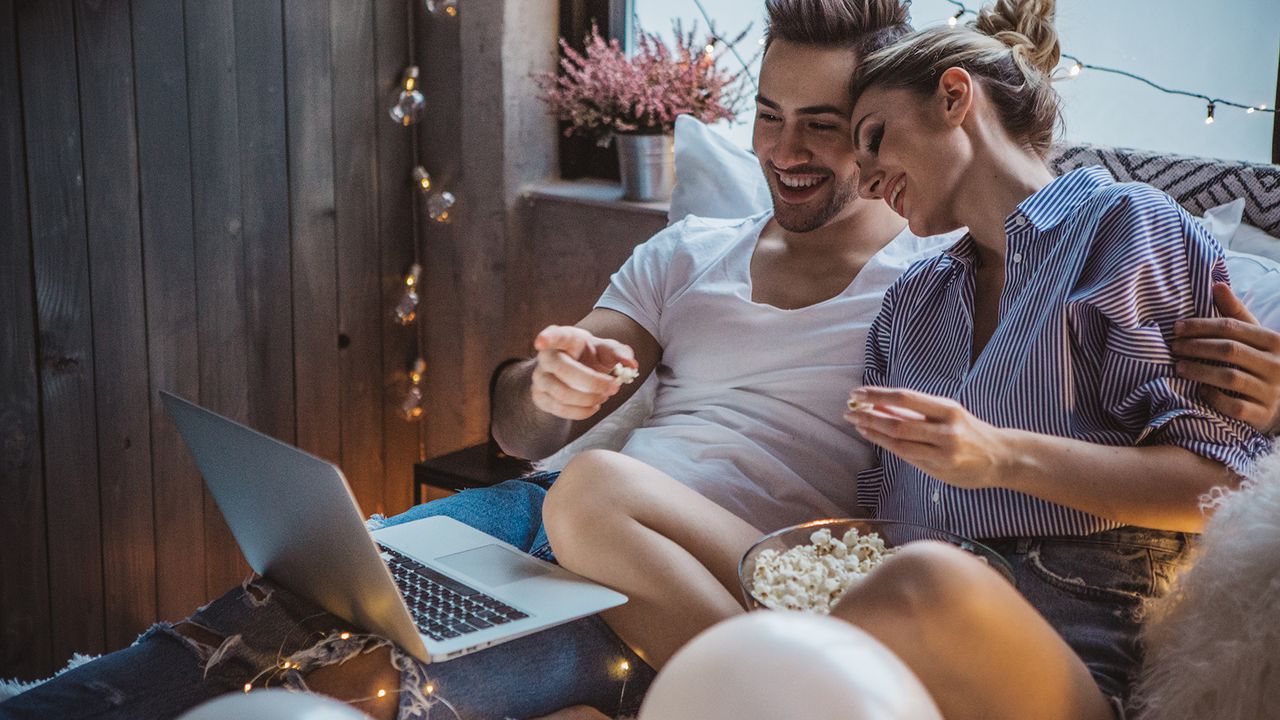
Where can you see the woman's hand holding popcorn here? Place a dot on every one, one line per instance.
(935, 434)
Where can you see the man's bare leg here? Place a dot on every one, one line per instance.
(979, 647)
(674, 553)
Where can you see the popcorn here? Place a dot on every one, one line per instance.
(625, 375)
(813, 577)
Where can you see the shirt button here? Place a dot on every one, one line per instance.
(1019, 220)
(937, 496)
(1017, 257)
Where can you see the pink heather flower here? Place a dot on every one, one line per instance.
(602, 91)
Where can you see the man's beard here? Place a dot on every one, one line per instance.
(802, 218)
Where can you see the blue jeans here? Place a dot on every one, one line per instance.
(165, 672)
(1092, 590)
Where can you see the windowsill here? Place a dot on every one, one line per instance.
(598, 193)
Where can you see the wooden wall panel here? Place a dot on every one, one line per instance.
(401, 438)
(309, 95)
(119, 321)
(24, 568)
(264, 207)
(220, 250)
(360, 323)
(456, 362)
(60, 258)
(168, 248)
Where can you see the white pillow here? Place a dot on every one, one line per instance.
(714, 177)
(1254, 278)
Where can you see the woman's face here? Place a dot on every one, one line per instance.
(910, 153)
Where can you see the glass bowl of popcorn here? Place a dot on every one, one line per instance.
(808, 567)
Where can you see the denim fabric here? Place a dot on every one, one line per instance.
(1093, 588)
(164, 674)
(510, 511)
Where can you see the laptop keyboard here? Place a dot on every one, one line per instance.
(442, 607)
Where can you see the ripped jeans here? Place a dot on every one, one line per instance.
(250, 634)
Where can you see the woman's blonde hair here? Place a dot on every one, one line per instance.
(1012, 49)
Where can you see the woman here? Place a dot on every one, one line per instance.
(1033, 400)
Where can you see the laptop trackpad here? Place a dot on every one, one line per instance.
(494, 565)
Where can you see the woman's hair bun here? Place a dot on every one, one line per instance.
(1026, 26)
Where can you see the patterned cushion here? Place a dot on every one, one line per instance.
(1197, 183)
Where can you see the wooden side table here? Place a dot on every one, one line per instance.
(472, 467)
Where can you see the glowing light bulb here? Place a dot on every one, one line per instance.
(407, 309)
(954, 19)
(411, 406)
(345, 636)
(440, 206)
(710, 49)
(1075, 69)
(624, 666)
(418, 372)
(447, 7)
(1249, 111)
(422, 178)
(428, 689)
(382, 693)
(1208, 120)
(951, 21)
(409, 103)
(248, 687)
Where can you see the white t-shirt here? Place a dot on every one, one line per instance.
(749, 405)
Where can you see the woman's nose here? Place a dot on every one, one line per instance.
(870, 182)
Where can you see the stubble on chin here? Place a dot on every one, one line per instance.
(809, 217)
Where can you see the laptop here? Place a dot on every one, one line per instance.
(436, 587)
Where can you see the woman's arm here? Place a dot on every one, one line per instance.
(1150, 486)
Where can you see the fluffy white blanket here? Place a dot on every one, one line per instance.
(1213, 644)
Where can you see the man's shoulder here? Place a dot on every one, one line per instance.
(696, 236)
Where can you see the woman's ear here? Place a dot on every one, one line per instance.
(955, 90)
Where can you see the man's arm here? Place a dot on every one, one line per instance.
(541, 404)
(1249, 390)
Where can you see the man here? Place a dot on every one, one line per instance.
(821, 249)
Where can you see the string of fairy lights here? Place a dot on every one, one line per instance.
(408, 110)
(1078, 66)
(1073, 71)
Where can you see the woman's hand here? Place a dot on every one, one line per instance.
(935, 434)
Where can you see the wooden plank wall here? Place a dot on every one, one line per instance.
(206, 197)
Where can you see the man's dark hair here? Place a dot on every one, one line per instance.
(863, 26)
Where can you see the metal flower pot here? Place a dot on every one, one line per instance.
(647, 164)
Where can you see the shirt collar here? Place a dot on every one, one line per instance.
(1052, 203)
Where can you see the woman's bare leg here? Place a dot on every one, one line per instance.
(673, 552)
(979, 648)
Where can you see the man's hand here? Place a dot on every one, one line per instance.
(935, 434)
(1252, 351)
(571, 379)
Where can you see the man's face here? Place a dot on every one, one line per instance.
(802, 134)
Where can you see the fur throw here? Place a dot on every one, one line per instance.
(1213, 643)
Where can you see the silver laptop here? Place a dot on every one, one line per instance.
(436, 587)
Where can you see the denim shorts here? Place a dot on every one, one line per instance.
(1093, 590)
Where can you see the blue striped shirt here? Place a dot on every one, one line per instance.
(1096, 274)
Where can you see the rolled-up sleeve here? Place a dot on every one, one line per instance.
(1127, 306)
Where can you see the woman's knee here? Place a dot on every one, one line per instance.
(587, 493)
(924, 582)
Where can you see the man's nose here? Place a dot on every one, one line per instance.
(791, 149)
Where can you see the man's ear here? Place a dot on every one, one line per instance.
(955, 90)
